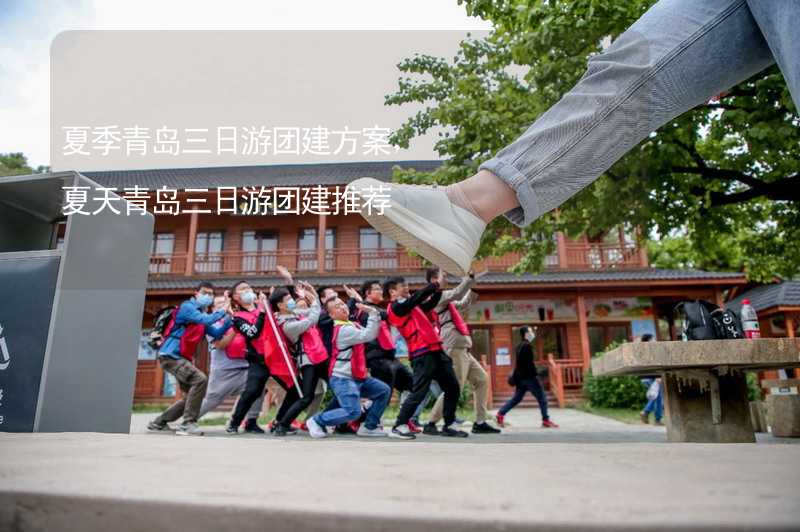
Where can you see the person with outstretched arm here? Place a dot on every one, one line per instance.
(408, 313)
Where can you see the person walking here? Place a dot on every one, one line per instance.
(524, 379)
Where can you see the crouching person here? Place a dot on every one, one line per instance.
(349, 380)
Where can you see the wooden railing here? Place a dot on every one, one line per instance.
(596, 256)
(565, 374)
(579, 256)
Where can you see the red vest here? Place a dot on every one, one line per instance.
(192, 336)
(418, 332)
(385, 338)
(313, 346)
(238, 346)
(268, 344)
(458, 322)
(358, 358)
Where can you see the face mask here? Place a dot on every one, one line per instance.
(205, 300)
(291, 305)
(248, 297)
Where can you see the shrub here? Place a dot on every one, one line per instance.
(614, 392)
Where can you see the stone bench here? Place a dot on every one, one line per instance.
(705, 390)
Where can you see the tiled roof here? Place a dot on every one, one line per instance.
(785, 294)
(267, 175)
(644, 275)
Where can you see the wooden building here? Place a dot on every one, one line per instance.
(591, 293)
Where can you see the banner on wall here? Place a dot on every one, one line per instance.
(523, 311)
(622, 308)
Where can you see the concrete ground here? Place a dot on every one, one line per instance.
(593, 473)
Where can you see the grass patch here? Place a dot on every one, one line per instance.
(626, 415)
(148, 408)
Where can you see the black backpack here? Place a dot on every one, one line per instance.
(160, 323)
(703, 320)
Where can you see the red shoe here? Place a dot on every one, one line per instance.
(297, 425)
(303, 426)
(547, 424)
(413, 427)
(500, 419)
(354, 425)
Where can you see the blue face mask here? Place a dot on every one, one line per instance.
(205, 300)
(291, 305)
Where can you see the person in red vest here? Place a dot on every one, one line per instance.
(191, 322)
(381, 353)
(457, 343)
(408, 313)
(264, 350)
(228, 372)
(348, 375)
(305, 343)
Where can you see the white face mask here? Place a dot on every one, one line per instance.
(248, 297)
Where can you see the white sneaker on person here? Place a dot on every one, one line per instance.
(315, 430)
(402, 432)
(376, 432)
(189, 429)
(423, 219)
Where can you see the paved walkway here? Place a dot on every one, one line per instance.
(628, 478)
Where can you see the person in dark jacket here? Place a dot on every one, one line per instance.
(525, 380)
(381, 359)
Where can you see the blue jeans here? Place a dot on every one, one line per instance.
(527, 385)
(434, 391)
(347, 406)
(655, 405)
(679, 54)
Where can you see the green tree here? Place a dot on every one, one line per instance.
(724, 175)
(17, 164)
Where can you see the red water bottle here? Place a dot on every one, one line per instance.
(749, 320)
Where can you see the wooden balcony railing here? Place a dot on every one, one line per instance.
(565, 373)
(579, 256)
(596, 256)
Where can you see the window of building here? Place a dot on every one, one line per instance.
(307, 249)
(161, 249)
(603, 335)
(376, 251)
(208, 252)
(259, 251)
(482, 344)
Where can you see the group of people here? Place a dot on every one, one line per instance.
(308, 339)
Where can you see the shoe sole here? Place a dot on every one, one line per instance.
(403, 437)
(403, 226)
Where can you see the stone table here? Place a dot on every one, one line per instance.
(705, 390)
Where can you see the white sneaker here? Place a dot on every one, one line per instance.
(376, 432)
(423, 218)
(314, 429)
(402, 432)
(189, 429)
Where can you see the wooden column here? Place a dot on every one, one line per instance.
(789, 320)
(321, 244)
(644, 261)
(583, 330)
(190, 246)
(561, 242)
